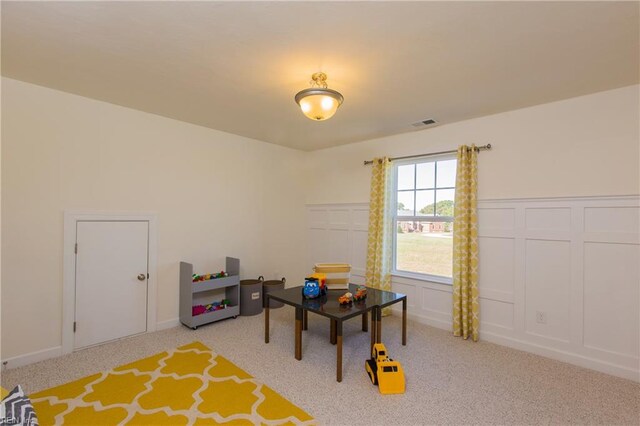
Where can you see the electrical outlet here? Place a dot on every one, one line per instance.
(541, 317)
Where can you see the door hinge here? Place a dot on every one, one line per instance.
(74, 326)
(76, 249)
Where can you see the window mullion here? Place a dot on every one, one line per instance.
(435, 191)
(415, 186)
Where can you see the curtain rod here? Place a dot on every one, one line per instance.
(478, 148)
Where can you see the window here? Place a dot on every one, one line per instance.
(423, 220)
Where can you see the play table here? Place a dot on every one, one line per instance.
(329, 307)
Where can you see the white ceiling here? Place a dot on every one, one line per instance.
(236, 66)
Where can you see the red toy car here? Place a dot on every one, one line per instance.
(361, 293)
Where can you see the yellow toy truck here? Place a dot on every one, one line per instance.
(384, 372)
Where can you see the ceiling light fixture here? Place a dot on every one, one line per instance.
(318, 102)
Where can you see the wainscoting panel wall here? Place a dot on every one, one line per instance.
(558, 277)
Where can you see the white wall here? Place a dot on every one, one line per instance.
(215, 194)
(572, 259)
(555, 236)
(577, 147)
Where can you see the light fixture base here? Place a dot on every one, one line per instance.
(318, 102)
(319, 79)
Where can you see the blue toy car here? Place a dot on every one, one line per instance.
(311, 288)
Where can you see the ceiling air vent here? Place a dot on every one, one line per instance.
(427, 122)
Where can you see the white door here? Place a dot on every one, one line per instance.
(111, 280)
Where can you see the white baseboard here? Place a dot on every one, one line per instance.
(545, 351)
(559, 355)
(32, 357)
(163, 325)
(423, 319)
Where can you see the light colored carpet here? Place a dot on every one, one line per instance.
(448, 381)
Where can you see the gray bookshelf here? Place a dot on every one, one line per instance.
(205, 292)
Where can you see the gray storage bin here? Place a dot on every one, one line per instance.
(269, 286)
(251, 297)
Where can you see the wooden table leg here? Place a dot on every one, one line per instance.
(373, 329)
(298, 337)
(339, 351)
(266, 324)
(404, 321)
(332, 332)
(365, 321)
(379, 325)
(305, 320)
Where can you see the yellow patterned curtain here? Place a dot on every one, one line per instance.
(378, 273)
(465, 246)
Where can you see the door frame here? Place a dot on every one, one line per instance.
(69, 266)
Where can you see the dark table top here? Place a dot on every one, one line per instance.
(328, 305)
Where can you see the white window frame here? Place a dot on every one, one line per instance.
(394, 219)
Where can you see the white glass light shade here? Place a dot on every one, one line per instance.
(319, 104)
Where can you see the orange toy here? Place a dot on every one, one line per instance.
(346, 299)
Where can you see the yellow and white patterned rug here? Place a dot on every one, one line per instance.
(189, 385)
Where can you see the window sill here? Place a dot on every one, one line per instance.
(423, 277)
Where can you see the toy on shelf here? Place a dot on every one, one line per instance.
(346, 299)
(312, 288)
(211, 307)
(361, 293)
(206, 277)
(384, 372)
(198, 310)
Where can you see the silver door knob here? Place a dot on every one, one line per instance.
(141, 277)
